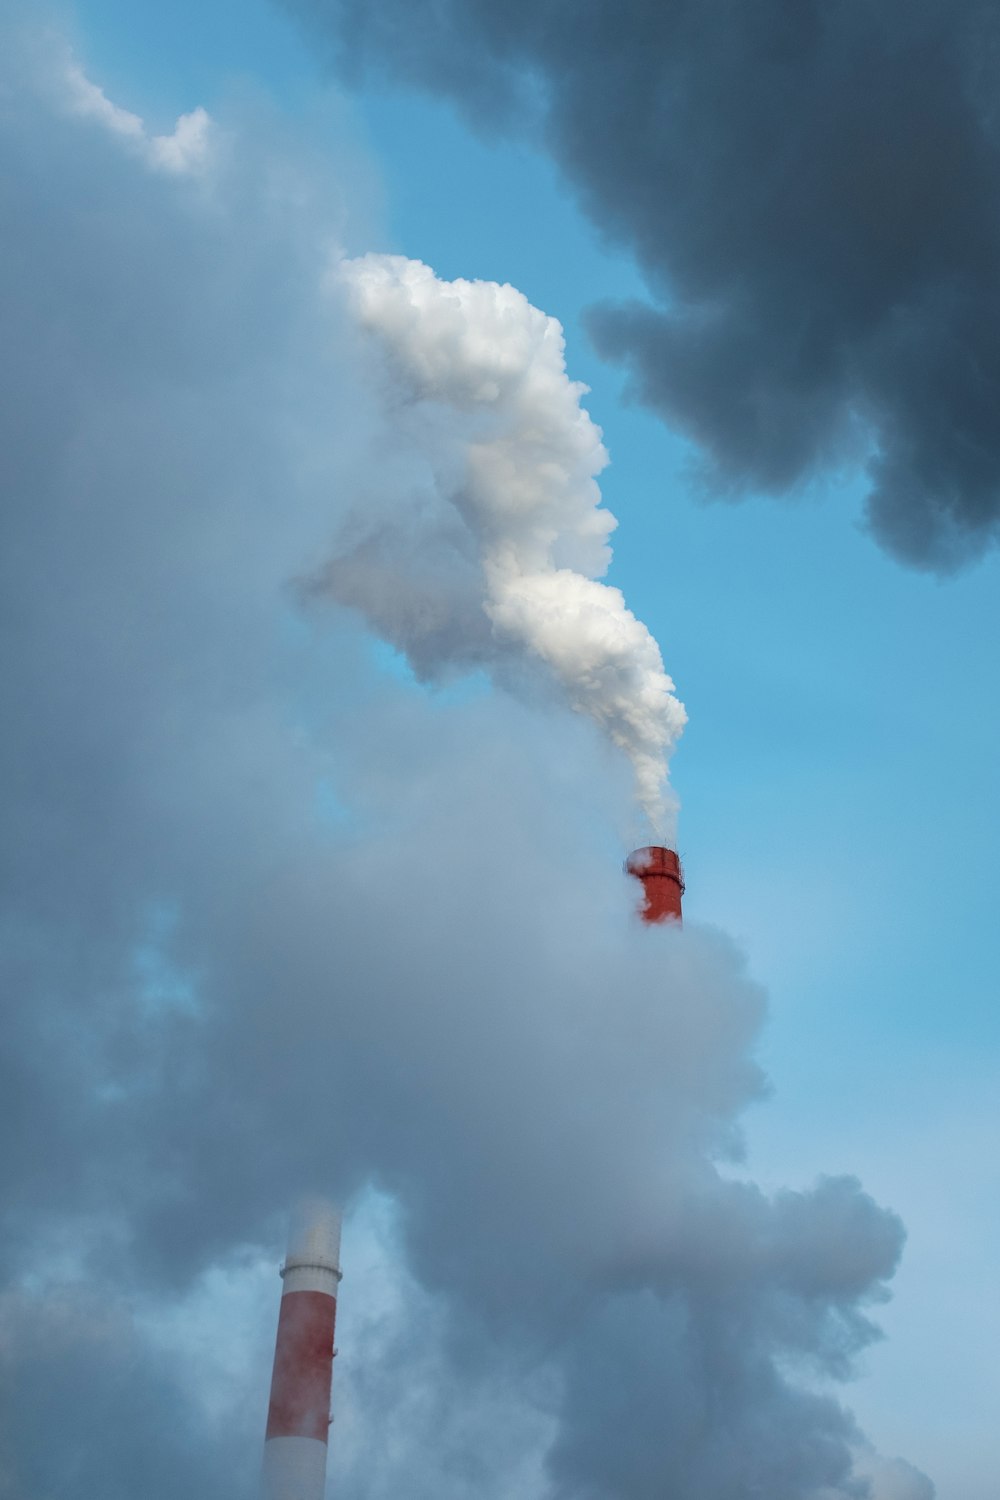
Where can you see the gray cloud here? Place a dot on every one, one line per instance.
(274, 922)
(811, 190)
(87, 1412)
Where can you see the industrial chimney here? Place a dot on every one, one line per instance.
(659, 869)
(298, 1419)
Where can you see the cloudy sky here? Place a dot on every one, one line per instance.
(331, 716)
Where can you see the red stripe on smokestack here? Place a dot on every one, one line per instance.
(659, 869)
(303, 1366)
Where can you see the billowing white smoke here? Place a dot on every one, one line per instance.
(515, 455)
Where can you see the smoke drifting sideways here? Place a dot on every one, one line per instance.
(276, 922)
(813, 192)
(493, 562)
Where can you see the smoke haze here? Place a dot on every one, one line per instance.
(812, 193)
(276, 922)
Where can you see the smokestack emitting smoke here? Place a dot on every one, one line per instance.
(659, 870)
(298, 1418)
(499, 566)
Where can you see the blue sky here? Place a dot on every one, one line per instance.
(838, 774)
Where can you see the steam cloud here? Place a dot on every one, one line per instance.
(513, 458)
(209, 802)
(812, 192)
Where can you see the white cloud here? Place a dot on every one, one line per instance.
(185, 149)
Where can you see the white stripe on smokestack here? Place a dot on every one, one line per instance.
(298, 1418)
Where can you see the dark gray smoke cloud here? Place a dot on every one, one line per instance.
(273, 922)
(813, 191)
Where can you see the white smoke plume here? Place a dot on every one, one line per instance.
(514, 455)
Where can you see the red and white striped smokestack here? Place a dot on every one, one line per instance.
(659, 869)
(298, 1419)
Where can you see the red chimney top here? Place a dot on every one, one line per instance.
(659, 869)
